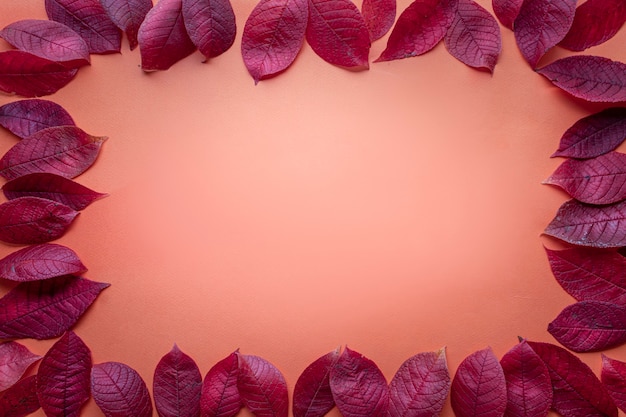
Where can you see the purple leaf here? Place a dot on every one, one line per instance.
(614, 379)
(210, 25)
(119, 391)
(21, 399)
(220, 395)
(128, 16)
(38, 262)
(46, 309)
(25, 117)
(177, 385)
(379, 16)
(262, 387)
(506, 11)
(595, 22)
(15, 359)
(312, 396)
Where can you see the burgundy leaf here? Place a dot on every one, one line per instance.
(379, 16)
(262, 387)
(25, 117)
(46, 309)
(420, 387)
(89, 19)
(337, 33)
(21, 399)
(591, 78)
(128, 16)
(419, 29)
(479, 387)
(594, 135)
(614, 379)
(163, 39)
(38, 262)
(273, 36)
(506, 11)
(358, 386)
(119, 391)
(210, 25)
(312, 396)
(529, 390)
(28, 75)
(595, 22)
(576, 391)
(52, 187)
(63, 377)
(14, 361)
(474, 36)
(177, 385)
(48, 39)
(63, 150)
(220, 395)
(540, 25)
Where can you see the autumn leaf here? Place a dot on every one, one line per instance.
(506, 11)
(21, 399)
(312, 396)
(595, 22)
(47, 260)
(118, 390)
(220, 395)
(614, 379)
(378, 16)
(262, 387)
(211, 25)
(177, 385)
(128, 15)
(25, 117)
(15, 359)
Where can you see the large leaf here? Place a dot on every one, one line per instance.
(47, 260)
(262, 387)
(614, 379)
(210, 24)
(119, 391)
(379, 16)
(15, 359)
(595, 22)
(25, 117)
(128, 16)
(177, 385)
(506, 11)
(312, 396)
(21, 399)
(220, 395)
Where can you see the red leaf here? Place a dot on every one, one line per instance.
(48, 39)
(540, 25)
(119, 391)
(46, 309)
(420, 387)
(262, 387)
(419, 29)
(474, 36)
(25, 117)
(594, 135)
(379, 16)
(595, 22)
(312, 396)
(506, 11)
(15, 359)
(220, 395)
(337, 33)
(38, 262)
(614, 379)
(21, 399)
(479, 387)
(358, 386)
(177, 385)
(591, 78)
(273, 36)
(28, 75)
(163, 39)
(63, 377)
(89, 19)
(210, 25)
(529, 390)
(576, 391)
(128, 16)
(63, 150)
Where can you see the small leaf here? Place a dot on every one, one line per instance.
(220, 395)
(312, 396)
(177, 385)
(119, 391)
(379, 16)
(38, 262)
(614, 379)
(210, 25)
(15, 359)
(595, 22)
(128, 16)
(506, 11)
(25, 117)
(21, 399)
(262, 387)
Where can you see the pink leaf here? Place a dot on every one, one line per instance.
(119, 391)
(337, 33)
(506, 11)
(262, 387)
(25, 117)
(595, 22)
(128, 16)
(540, 25)
(89, 19)
(46, 309)
(312, 396)
(177, 385)
(576, 391)
(594, 135)
(163, 39)
(38, 262)
(273, 36)
(474, 36)
(529, 390)
(419, 28)
(63, 377)
(614, 379)
(479, 387)
(210, 25)
(21, 399)
(48, 39)
(63, 150)
(379, 16)
(220, 395)
(591, 78)
(420, 387)
(15, 359)
(358, 386)
(28, 75)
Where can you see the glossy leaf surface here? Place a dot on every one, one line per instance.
(119, 391)
(210, 24)
(614, 379)
(595, 22)
(312, 396)
(15, 359)
(262, 387)
(25, 117)
(47, 260)
(220, 395)
(177, 385)
(128, 16)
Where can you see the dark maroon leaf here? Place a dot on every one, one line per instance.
(177, 385)
(312, 396)
(591, 78)
(25, 117)
(420, 387)
(21, 399)
(506, 11)
(128, 16)
(210, 25)
(358, 386)
(63, 150)
(220, 395)
(38, 262)
(89, 19)
(614, 379)
(262, 387)
(379, 16)
(479, 387)
(15, 359)
(46, 309)
(119, 391)
(63, 377)
(595, 22)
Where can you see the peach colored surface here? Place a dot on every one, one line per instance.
(395, 210)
